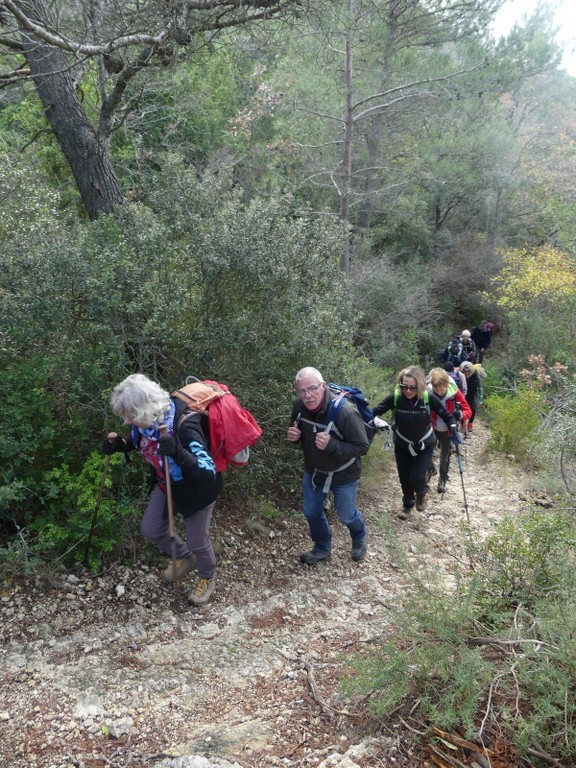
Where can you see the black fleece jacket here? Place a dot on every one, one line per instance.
(412, 419)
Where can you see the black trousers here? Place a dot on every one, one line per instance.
(445, 443)
(413, 473)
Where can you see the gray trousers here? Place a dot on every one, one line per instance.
(154, 527)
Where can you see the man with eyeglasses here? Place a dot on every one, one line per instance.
(332, 462)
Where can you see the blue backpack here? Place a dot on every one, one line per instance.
(353, 395)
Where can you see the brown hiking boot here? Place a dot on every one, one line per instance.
(183, 567)
(421, 502)
(202, 592)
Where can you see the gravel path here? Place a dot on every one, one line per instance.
(100, 671)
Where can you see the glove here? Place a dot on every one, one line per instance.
(458, 414)
(112, 445)
(379, 423)
(167, 445)
(455, 436)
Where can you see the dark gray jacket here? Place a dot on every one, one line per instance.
(348, 441)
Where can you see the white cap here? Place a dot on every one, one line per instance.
(465, 333)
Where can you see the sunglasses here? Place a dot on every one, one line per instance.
(410, 387)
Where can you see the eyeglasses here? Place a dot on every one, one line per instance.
(309, 390)
(410, 387)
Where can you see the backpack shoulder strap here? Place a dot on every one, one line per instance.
(425, 397)
(335, 407)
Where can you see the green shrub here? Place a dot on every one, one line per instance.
(514, 418)
(507, 634)
(75, 508)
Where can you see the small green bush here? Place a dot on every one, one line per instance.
(71, 499)
(514, 418)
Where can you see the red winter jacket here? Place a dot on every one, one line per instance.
(452, 396)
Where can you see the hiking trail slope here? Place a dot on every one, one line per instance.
(100, 670)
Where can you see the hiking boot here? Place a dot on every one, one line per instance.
(202, 591)
(313, 557)
(183, 567)
(421, 501)
(407, 504)
(441, 485)
(359, 550)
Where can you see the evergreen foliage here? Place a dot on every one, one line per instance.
(225, 264)
(441, 666)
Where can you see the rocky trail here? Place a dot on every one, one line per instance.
(102, 672)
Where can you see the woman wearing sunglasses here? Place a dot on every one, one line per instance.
(414, 437)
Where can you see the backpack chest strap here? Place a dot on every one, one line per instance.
(330, 427)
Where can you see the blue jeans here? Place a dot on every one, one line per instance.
(345, 503)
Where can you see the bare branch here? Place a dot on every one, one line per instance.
(64, 43)
(415, 84)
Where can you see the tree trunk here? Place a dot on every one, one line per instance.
(346, 174)
(85, 148)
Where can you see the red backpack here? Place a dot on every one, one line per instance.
(231, 428)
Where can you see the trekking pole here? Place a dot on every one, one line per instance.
(171, 528)
(111, 436)
(460, 469)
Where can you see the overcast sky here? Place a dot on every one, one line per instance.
(565, 15)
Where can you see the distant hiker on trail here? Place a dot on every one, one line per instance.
(414, 438)
(469, 346)
(482, 337)
(474, 396)
(454, 353)
(457, 377)
(195, 482)
(332, 462)
(455, 403)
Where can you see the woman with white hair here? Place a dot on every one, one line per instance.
(162, 436)
(468, 346)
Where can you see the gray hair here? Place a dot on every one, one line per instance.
(139, 400)
(309, 373)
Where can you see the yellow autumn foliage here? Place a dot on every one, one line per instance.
(535, 276)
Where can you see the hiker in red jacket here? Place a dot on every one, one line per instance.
(455, 403)
(195, 482)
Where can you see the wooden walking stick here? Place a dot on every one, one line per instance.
(111, 436)
(171, 527)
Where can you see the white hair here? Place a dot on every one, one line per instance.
(139, 400)
(465, 333)
(309, 373)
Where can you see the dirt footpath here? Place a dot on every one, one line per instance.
(100, 671)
